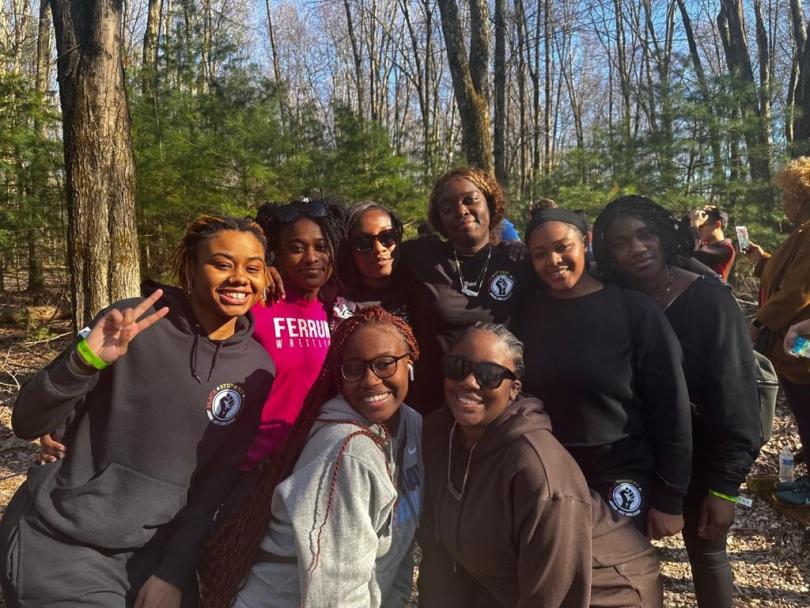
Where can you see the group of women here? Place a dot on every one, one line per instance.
(550, 453)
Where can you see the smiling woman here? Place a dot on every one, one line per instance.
(303, 236)
(155, 406)
(607, 367)
(508, 519)
(334, 513)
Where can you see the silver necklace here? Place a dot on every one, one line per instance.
(471, 288)
(450, 487)
(663, 297)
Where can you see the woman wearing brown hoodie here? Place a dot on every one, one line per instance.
(508, 519)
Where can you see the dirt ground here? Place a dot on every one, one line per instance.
(769, 548)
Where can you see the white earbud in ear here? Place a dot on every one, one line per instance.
(410, 372)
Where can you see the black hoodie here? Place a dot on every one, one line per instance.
(152, 441)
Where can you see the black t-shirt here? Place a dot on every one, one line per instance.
(440, 312)
(607, 367)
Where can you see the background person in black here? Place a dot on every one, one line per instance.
(453, 284)
(636, 244)
(607, 367)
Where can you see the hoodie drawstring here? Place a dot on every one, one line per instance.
(194, 349)
(194, 354)
(214, 361)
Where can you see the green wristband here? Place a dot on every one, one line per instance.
(741, 500)
(87, 355)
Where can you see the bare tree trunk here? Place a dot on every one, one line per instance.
(800, 41)
(39, 170)
(470, 78)
(358, 61)
(548, 64)
(730, 25)
(150, 39)
(764, 74)
(714, 135)
(102, 237)
(500, 92)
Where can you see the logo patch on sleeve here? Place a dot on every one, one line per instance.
(224, 403)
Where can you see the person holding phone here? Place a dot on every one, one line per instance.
(785, 294)
(713, 248)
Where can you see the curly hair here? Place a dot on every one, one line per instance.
(794, 181)
(675, 236)
(496, 200)
(229, 554)
(199, 231)
(331, 225)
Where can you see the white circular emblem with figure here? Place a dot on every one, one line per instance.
(625, 498)
(224, 403)
(501, 285)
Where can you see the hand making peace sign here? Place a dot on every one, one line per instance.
(110, 337)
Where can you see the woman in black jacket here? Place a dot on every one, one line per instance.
(636, 243)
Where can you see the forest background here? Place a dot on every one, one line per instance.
(229, 103)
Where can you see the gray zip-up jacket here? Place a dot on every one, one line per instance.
(359, 555)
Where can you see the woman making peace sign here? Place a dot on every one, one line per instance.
(156, 415)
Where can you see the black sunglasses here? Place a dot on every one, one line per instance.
(294, 211)
(383, 367)
(487, 374)
(365, 243)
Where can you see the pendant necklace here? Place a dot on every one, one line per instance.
(663, 297)
(450, 487)
(471, 288)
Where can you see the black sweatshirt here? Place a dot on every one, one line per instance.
(607, 367)
(440, 312)
(721, 374)
(152, 441)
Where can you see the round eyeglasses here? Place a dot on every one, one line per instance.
(383, 367)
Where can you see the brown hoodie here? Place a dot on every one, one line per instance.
(527, 531)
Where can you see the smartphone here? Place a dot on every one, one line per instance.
(801, 347)
(743, 240)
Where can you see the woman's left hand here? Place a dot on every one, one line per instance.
(157, 593)
(516, 250)
(715, 517)
(660, 524)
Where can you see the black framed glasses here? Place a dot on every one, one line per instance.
(487, 374)
(383, 367)
(294, 211)
(365, 243)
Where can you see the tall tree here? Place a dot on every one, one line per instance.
(102, 238)
(470, 77)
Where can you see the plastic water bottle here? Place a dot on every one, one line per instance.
(786, 465)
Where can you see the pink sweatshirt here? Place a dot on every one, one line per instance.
(296, 334)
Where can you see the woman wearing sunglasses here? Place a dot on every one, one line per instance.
(470, 277)
(303, 238)
(508, 519)
(368, 261)
(343, 490)
(607, 367)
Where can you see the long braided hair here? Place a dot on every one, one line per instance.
(675, 236)
(229, 554)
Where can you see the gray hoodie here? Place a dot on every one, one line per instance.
(360, 556)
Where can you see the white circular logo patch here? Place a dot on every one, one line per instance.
(501, 285)
(224, 403)
(625, 498)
